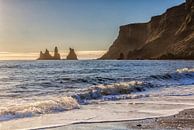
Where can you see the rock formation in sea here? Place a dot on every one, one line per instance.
(167, 36)
(56, 54)
(48, 56)
(72, 55)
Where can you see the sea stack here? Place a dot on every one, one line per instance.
(166, 36)
(45, 56)
(56, 54)
(72, 55)
(48, 56)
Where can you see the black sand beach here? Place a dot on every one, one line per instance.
(182, 120)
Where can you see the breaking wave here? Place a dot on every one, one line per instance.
(185, 70)
(116, 91)
(113, 90)
(37, 108)
(179, 75)
(123, 90)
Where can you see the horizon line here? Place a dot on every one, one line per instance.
(82, 55)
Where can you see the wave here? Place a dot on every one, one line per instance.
(116, 91)
(10, 66)
(185, 70)
(88, 80)
(179, 75)
(102, 91)
(37, 108)
(122, 90)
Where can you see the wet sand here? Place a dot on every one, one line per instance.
(182, 120)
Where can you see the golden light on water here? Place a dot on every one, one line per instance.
(33, 56)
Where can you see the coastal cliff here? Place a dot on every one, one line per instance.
(167, 36)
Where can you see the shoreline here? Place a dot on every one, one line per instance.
(155, 110)
(103, 116)
(182, 120)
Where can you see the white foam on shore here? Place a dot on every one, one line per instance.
(99, 93)
(93, 94)
(53, 105)
(160, 103)
(37, 108)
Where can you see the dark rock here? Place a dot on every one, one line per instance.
(72, 55)
(139, 125)
(167, 36)
(121, 57)
(47, 55)
(56, 54)
(41, 55)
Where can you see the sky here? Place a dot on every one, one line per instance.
(89, 26)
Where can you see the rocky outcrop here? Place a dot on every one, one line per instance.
(56, 54)
(47, 55)
(167, 36)
(72, 55)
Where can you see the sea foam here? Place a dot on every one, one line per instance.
(116, 91)
(37, 108)
(184, 70)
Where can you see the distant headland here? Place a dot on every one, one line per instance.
(167, 36)
(47, 56)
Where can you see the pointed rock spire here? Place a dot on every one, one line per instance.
(56, 54)
(48, 56)
(72, 55)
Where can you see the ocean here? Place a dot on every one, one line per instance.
(92, 90)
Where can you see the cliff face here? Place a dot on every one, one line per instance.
(167, 36)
